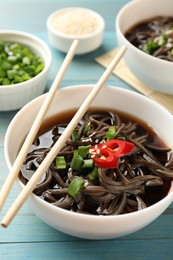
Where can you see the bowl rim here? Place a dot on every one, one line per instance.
(43, 45)
(37, 199)
(118, 29)
(100, 29)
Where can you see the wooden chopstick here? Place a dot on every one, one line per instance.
(36, 125)
(60, 142)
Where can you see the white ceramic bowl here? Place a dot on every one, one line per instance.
(17, 95)
(152, 71)
(68, 24)
(81, 225)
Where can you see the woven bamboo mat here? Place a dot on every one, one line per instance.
(124, 73)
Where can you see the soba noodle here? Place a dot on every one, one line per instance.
(142, 178)
(154, 37)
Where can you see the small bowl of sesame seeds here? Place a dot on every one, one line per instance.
(24, 65)
(68, 24)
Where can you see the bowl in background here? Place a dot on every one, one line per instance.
(83, 225)
(17, 95)
(68, 24)
(154, 72)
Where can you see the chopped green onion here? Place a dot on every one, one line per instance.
(87, 128)
(87, 163)
(6, 65)
(93, 174)
(17, 79)
(26, 61)
(119, 160)
(30, 69)
(39, 68)
(18, 63)
(60, 162)
(165, 36)
(121, 137)
(2, 73)
(5, 81)
(11, 74)
(77, 161)
(111, 133)
(75, 136)
(161, 42)
(25, 77)
(75, 186)
(83, 151)
(149, 47)
(12, 59)
(16, 67)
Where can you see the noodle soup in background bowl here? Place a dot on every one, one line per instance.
(86, 225)
(155, 72)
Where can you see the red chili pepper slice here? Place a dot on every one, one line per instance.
(106, 155)
(103, 157)
(120, 147)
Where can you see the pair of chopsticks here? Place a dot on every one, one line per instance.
(60, 142)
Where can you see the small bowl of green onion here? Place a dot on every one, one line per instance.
(24, 65)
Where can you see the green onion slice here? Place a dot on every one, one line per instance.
(77, 161)
(87, 128)
(83, 151)
(75, 136)
(76, 186)
(121, 137)
(93, 174)
(60, 162)
(87, 163)
(111, 133)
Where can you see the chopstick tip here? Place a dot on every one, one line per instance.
(3, 225)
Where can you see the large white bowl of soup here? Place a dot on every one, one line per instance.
(121, 178)
(145, 27)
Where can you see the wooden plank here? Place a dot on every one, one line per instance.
(30, 228)
(160, 249)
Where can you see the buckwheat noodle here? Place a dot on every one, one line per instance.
(142, 178)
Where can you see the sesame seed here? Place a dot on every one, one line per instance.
(103, 157)
(98, 151)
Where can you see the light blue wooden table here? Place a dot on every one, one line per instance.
(28, 237)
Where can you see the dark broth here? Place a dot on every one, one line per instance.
(153, 36)
(151, 195)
